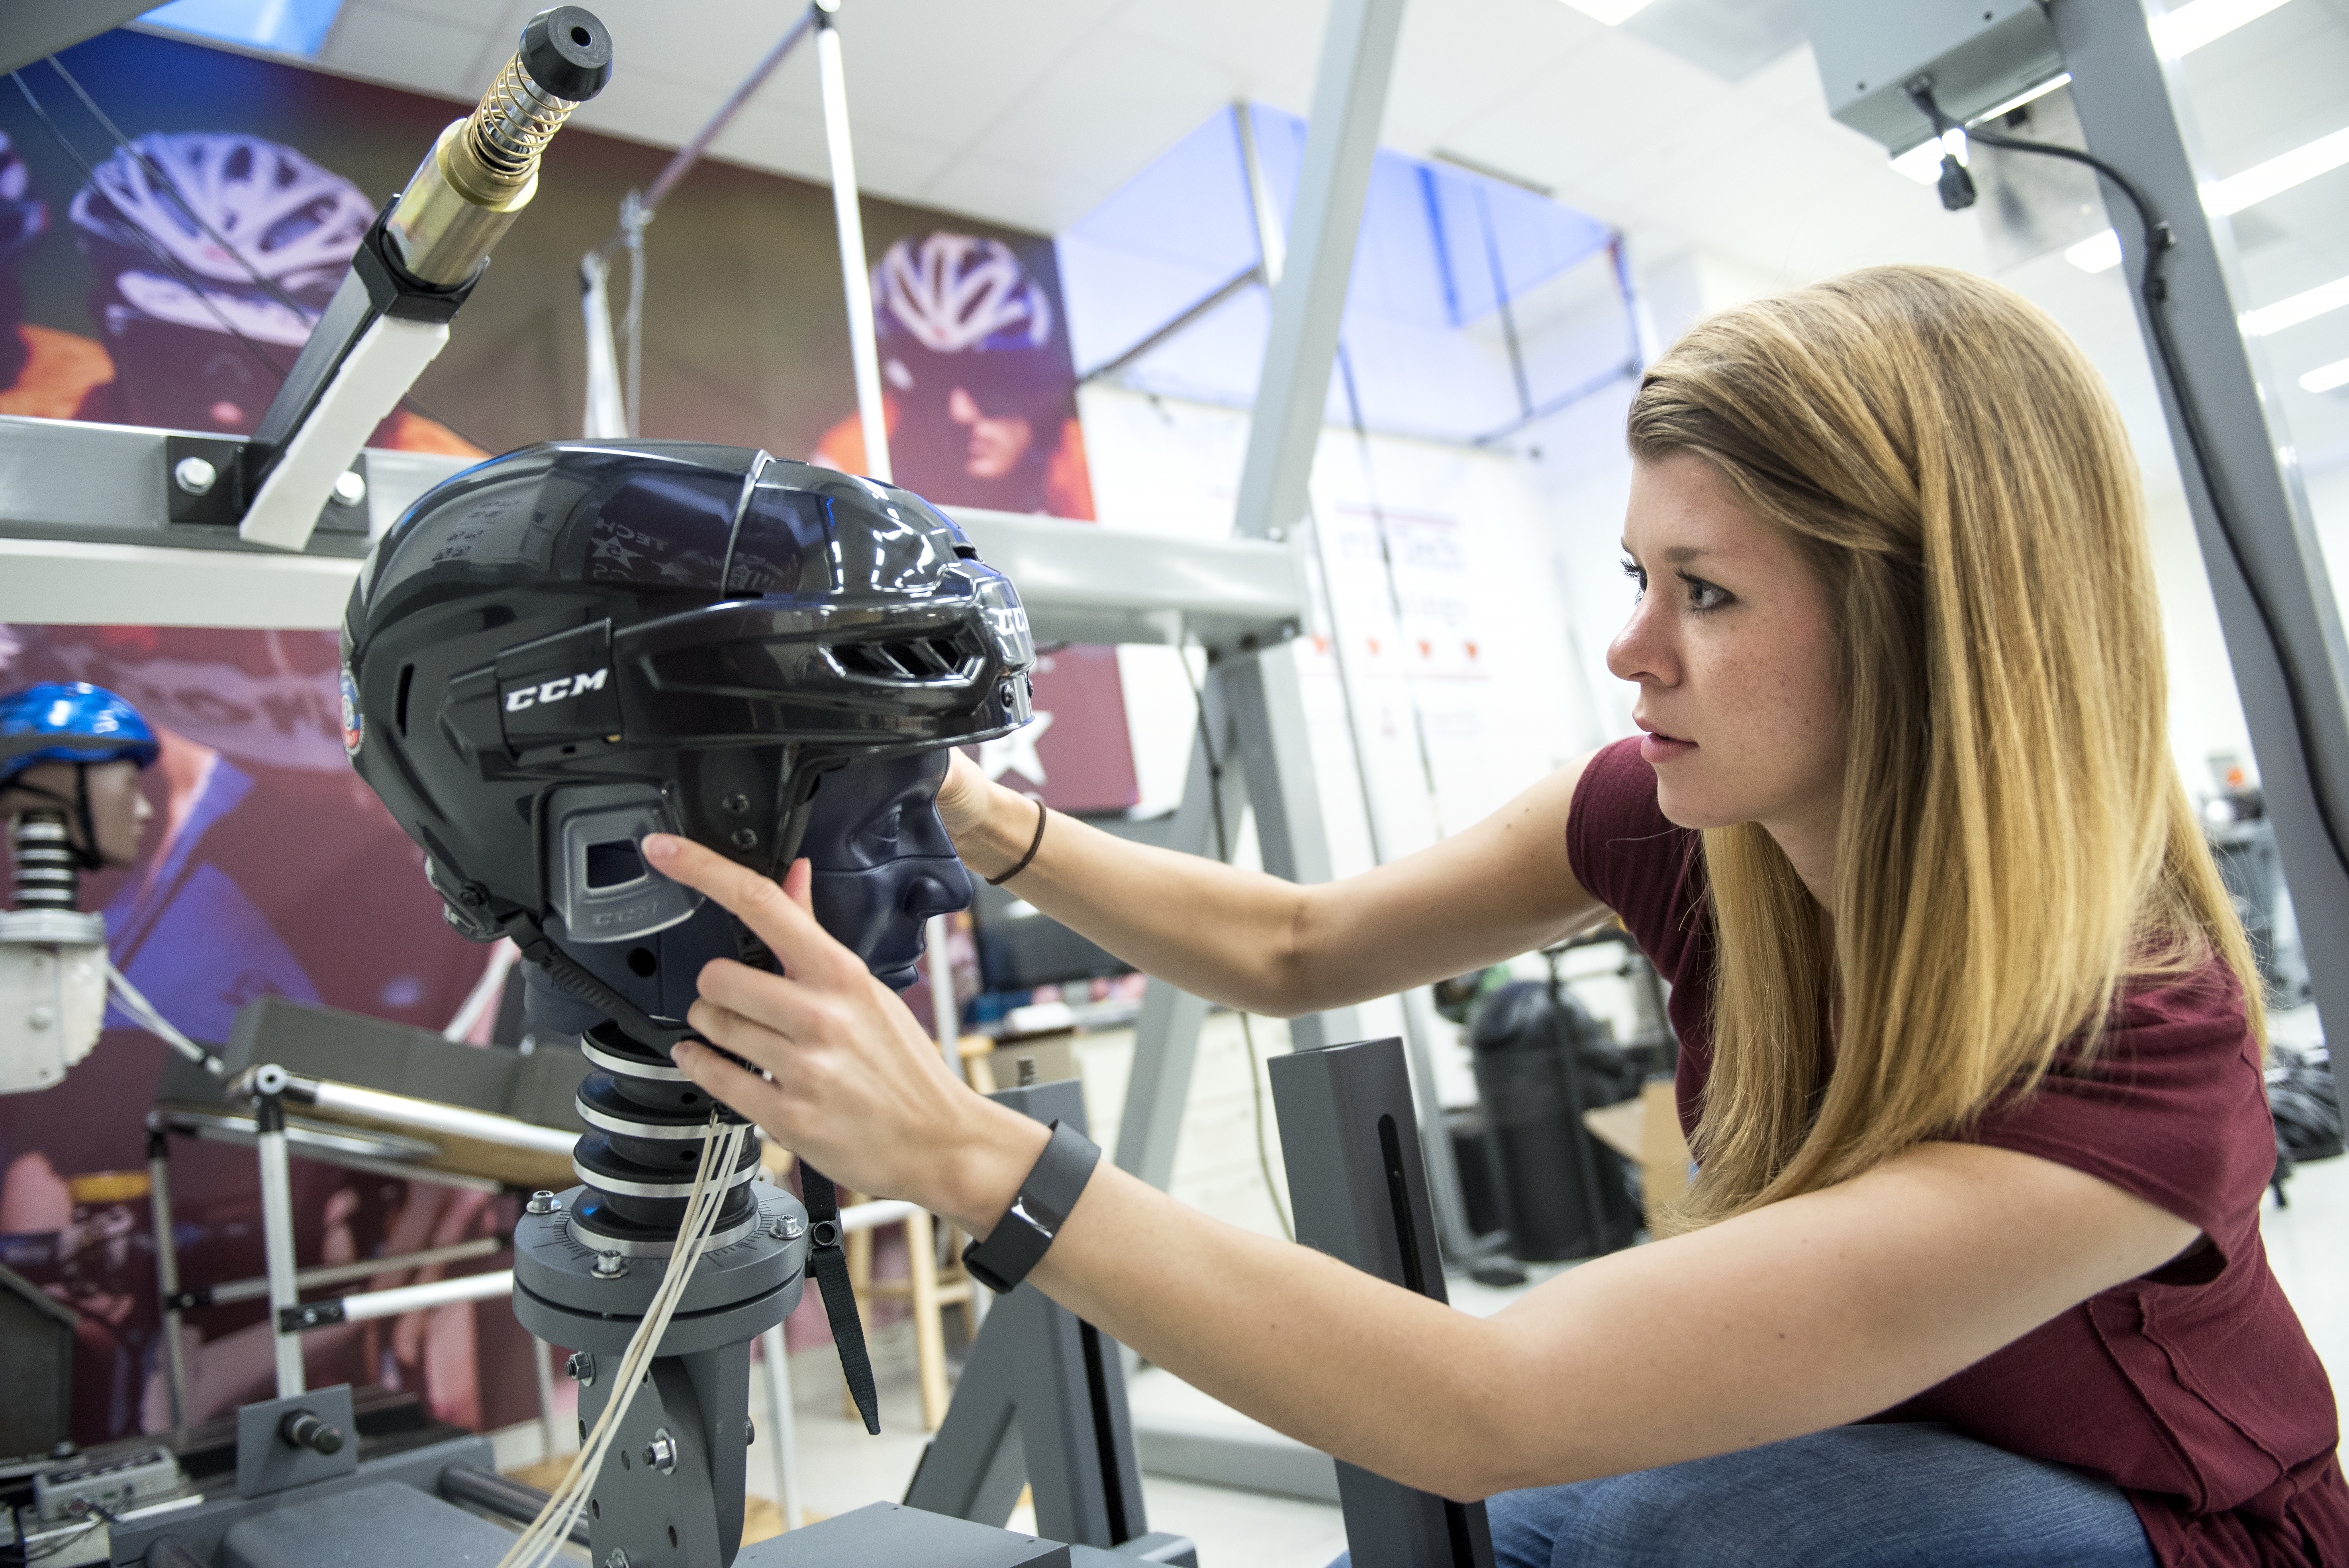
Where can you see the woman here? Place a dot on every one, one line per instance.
(1970, 1046)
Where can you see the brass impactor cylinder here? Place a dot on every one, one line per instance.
(484, 168)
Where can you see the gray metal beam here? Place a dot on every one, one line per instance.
(1349, 98)
(2138, 116)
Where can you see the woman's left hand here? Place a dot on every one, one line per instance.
(857, 1089)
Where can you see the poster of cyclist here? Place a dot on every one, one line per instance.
(173, 217)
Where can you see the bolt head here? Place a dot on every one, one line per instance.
(581, 1366)
(543, 1201)
(737, 804)
(40, 1017)
(194, 476)
(745, 838)
(350, 488)
(610, 1266)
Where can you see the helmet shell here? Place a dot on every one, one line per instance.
(69, 721)
(578, 642)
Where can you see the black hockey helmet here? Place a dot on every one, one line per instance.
(567, 648)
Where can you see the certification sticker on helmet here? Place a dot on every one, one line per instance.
(354, 721)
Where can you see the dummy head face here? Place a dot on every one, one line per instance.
(117, 811)
(881, 860)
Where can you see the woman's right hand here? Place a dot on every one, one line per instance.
(963, 800)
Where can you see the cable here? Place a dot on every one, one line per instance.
(1224, 853)
(545, 1538)
(2158, 240)
(155, 171)
(147, 1017)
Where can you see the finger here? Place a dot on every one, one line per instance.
(742, 1091)
(789, 929)
(799, 884)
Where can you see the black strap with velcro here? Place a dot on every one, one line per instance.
(828, 1261)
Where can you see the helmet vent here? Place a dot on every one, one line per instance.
(905, 659)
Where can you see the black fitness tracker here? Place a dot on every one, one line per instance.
(1027, 1227)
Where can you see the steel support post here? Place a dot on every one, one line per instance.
(1341, 142)
(1358, 1189)
(782, 1424)
(167, 1270)
(277, 1233)
(2138, 116)
(1166, 1036)
(1043, 1402)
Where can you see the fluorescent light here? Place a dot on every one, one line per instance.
(2325, 377)
(2258, 183)
(2181, 32)
(2096, 254)
(1613, 11)
(2299, 307)
(2019, 99)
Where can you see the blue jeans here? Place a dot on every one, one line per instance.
(1851, 1497)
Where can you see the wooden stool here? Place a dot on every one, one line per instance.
(928, 1290)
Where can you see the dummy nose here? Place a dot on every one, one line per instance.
(931, 894)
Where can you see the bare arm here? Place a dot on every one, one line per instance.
(1249, 940)
(1809, 1313)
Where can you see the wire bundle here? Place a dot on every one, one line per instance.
(543, 1541)
(143, 1013)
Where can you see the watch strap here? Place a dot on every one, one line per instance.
(1051, 1189)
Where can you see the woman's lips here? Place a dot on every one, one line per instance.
(1658, 748)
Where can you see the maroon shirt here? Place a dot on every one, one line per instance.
(2193, 1389)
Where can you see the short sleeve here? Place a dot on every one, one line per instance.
(1631, 857)
(2172, 1106)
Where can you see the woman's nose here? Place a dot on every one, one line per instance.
(1639, 651)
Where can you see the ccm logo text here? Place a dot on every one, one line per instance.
(556, 690)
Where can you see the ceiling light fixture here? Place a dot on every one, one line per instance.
(2181, 32)
(2326, 377)
(2236, 192)
(2299, 307)
(1614, 11)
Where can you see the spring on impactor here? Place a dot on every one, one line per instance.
(484, 169)
(47, 871)
(513, 124)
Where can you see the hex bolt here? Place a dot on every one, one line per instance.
(610, 1266)
(581, 1367)
(350, 487)
(543, 1201)
(746, 837)
(737, 804)
(619, 1559)
(194, 476)
(661, 1454)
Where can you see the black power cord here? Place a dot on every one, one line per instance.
(2158, 240)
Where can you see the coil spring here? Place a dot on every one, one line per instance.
(513, 123)
(48, 876)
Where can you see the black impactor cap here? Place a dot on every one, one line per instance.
(568, 52)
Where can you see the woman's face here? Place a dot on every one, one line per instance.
(1732, 648)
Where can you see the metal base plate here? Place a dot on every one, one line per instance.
(891, 1535)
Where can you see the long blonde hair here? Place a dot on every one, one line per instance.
(2016, 846)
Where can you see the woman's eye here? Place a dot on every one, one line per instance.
(1702, 595)
(1638, 577)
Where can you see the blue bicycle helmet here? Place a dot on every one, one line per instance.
(70, 721)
